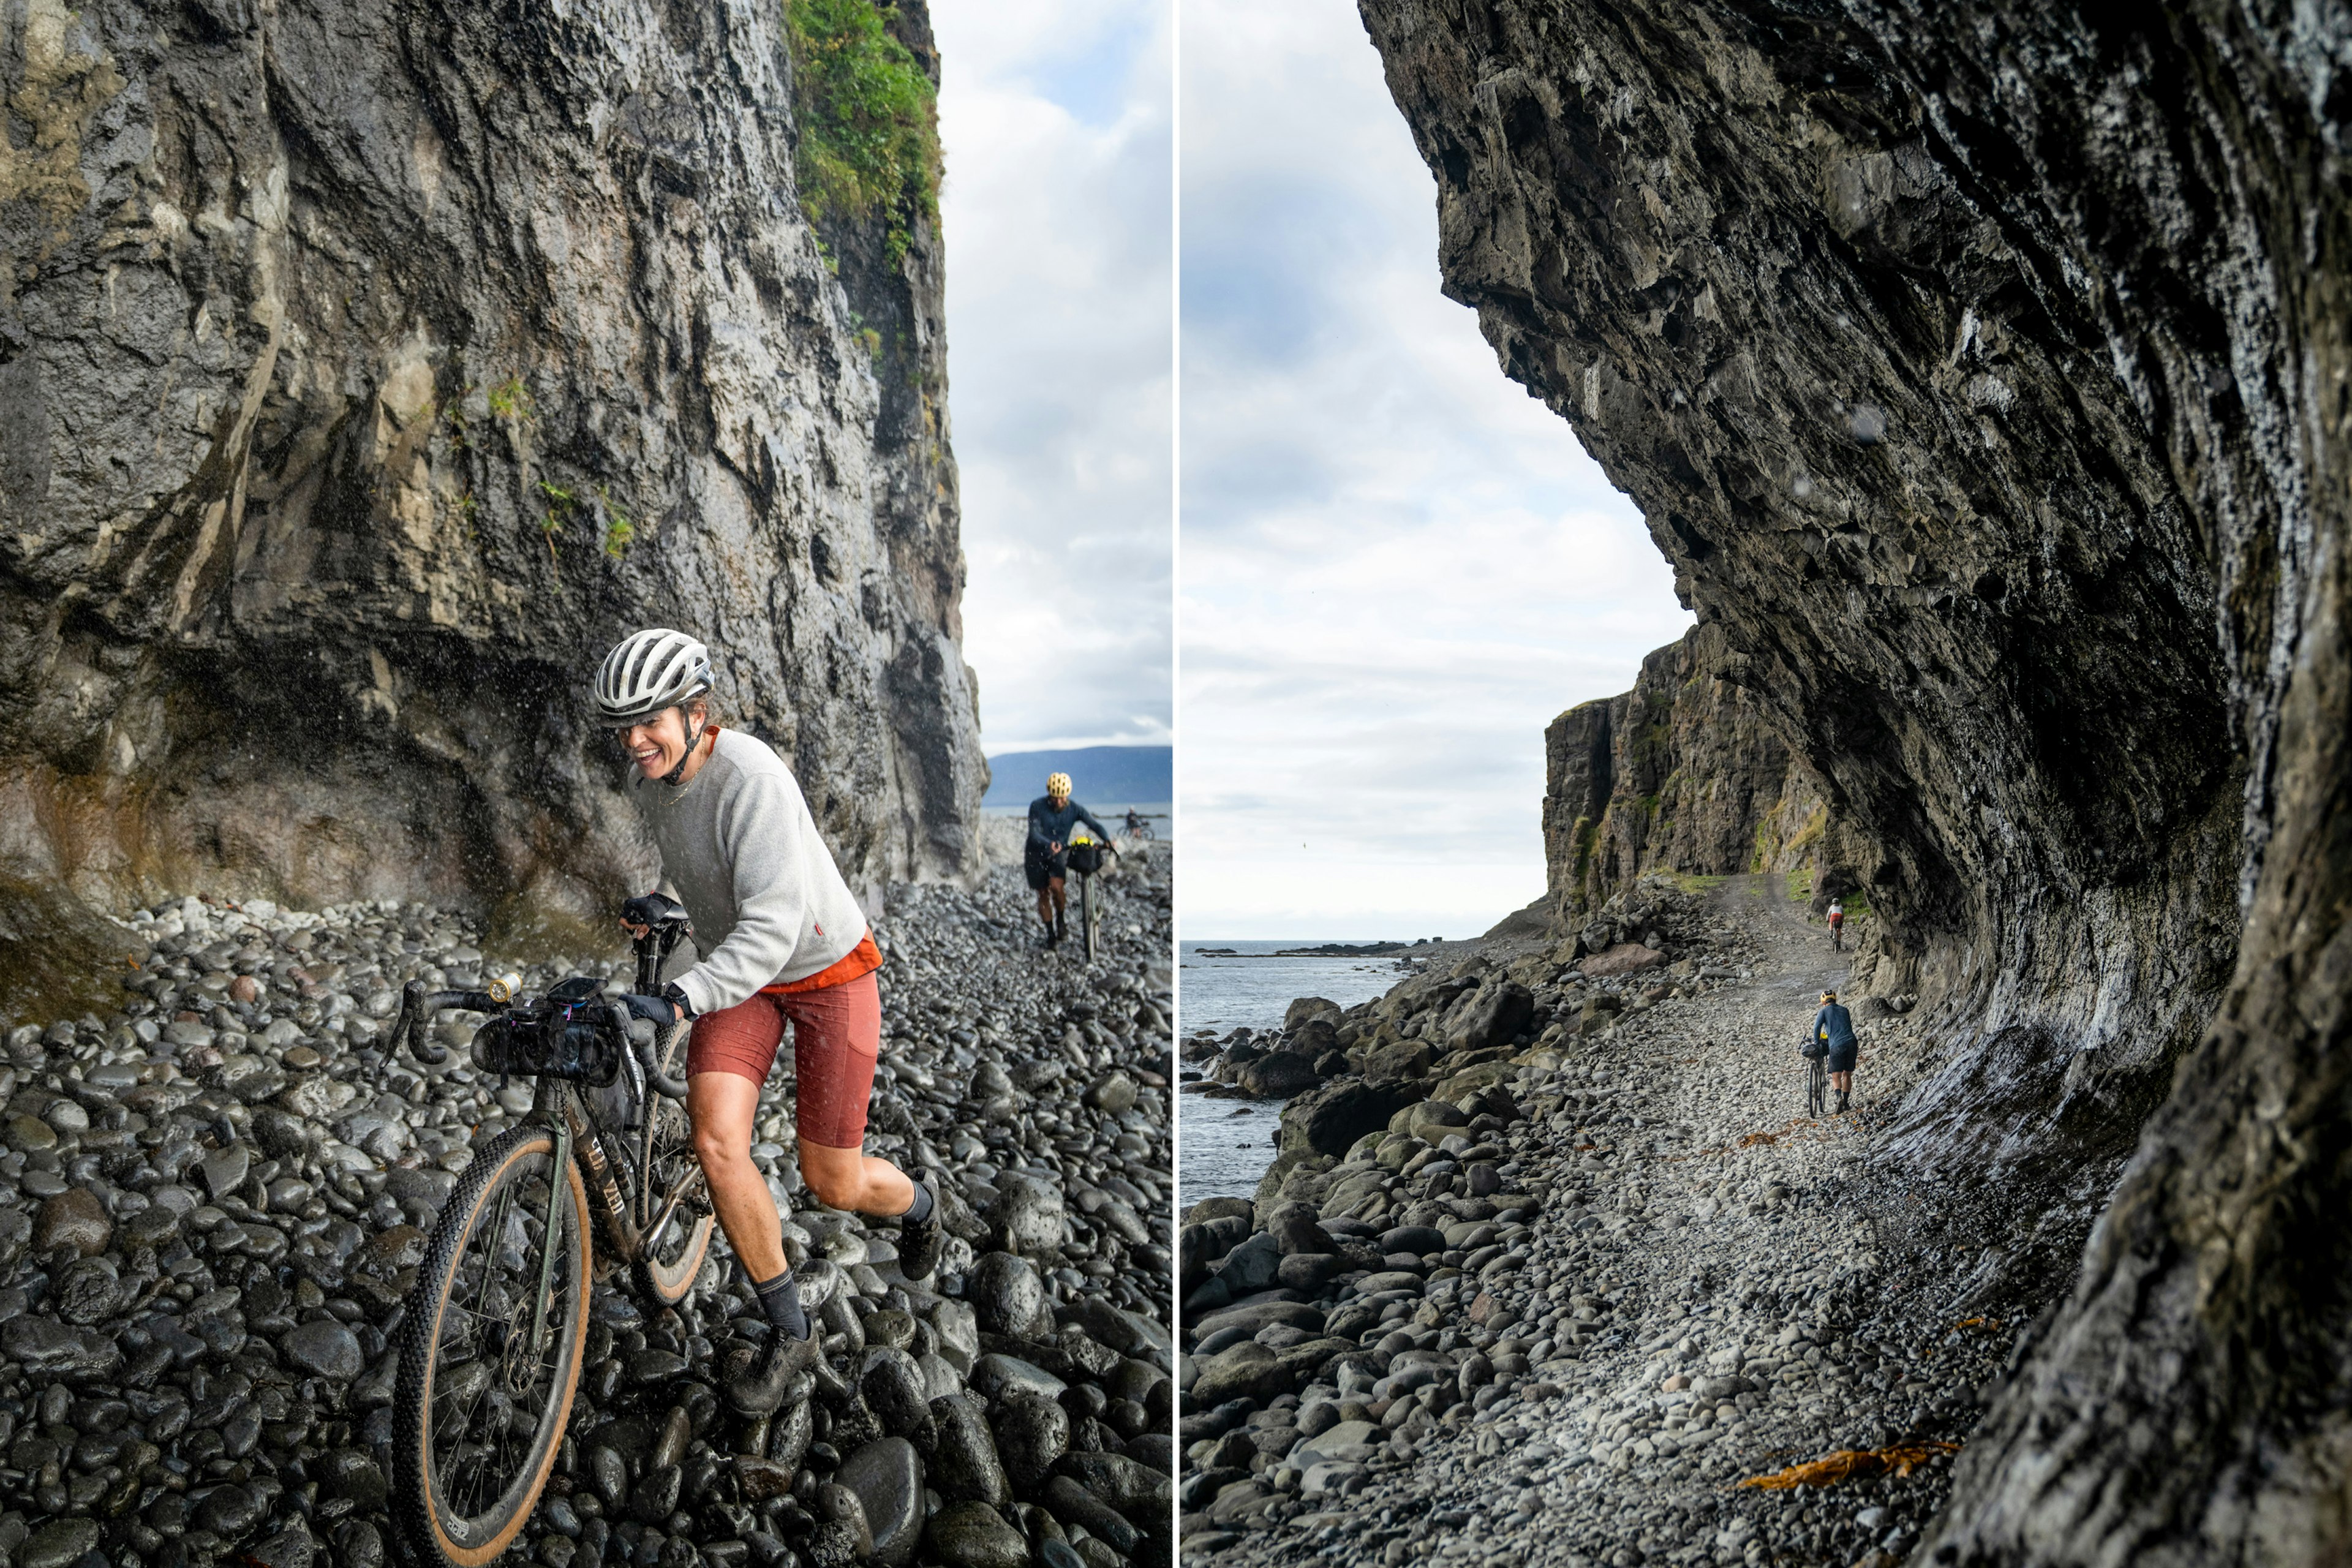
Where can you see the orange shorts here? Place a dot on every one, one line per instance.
(837, 1038)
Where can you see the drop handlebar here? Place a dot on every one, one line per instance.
(417, 1007)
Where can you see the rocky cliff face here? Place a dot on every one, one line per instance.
(1684, 772)
(1982, 370)
(366, 370)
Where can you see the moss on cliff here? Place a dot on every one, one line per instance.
(870, 140)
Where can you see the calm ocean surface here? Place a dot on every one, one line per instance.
(1225, 1145)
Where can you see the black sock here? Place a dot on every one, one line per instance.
(919, 1211)
(780, 1299)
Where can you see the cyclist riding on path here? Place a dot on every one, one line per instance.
(1837, 925)
(1833, 1028)
(1046, 858)
(780, 939)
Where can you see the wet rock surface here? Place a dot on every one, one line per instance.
(1977, 368)
(454, 432)
(1557, 1331)
(204, 1265)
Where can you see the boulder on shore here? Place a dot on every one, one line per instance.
(1625, 958)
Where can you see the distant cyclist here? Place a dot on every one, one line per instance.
(1046, 858)
(1833, 1028)
(1837, 925)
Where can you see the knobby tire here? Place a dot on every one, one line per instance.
(489, 1199)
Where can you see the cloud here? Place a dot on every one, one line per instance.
(1397, 567)
(1056, 123)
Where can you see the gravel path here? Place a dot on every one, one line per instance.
(212, 1203)
(1694, 1284)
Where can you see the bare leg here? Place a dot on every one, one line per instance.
(852, 1178)
(1842, 1083)
(1046, 903)
(1060, 887)
(721, 1105)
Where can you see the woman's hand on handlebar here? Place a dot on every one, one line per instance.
(654, 1009)
(638, 929)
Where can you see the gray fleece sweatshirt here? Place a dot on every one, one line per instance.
(739, 846)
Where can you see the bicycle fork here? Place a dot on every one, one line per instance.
(547, 1246)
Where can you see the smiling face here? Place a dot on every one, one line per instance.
(658, 743)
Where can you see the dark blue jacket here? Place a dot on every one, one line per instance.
(1835, 1025)
(1047, 825)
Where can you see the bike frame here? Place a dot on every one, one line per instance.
(579, 1133)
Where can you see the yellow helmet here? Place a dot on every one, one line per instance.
(1058, 784)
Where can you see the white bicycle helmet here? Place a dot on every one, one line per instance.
(650, 670)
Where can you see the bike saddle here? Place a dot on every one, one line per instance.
(653, 909)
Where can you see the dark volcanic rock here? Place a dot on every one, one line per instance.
(964, 1464)
(1496, 1015)
(325, 1347)
(887, 1479)
(1977, 368)
(487, 388)
(893, 1386)
(1031, 1435)
(73, 1218)
(1006, 1294)
(1687, 771)
(242, 1330)
(1279, 1074)
(974, 1535)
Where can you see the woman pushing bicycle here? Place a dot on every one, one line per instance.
(1833, 1035)
(780, 939)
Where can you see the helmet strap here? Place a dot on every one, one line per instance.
(675, 774)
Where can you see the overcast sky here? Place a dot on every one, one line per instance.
(1397, 567)
(1055, 118)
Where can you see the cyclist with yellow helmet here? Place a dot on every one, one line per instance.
(1046, 858)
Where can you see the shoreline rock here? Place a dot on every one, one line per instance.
(1557, 1299)
(215, 1201)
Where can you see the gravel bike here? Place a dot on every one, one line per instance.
(1138, 827)
(496, 1324)
(1817, 1080)
(1086, 858)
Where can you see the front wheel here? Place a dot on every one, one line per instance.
(491, 1354)
(1087, 922)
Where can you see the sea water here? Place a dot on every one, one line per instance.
(1224, 1145)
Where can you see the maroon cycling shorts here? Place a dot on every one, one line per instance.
(836, 1035)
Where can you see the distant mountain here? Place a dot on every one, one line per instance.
(1100, 775)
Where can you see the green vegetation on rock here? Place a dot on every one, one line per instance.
(869, 137)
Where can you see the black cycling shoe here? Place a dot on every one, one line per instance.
(1061, 926)
(1053, 936)
(919, 1245)
(758, 1388)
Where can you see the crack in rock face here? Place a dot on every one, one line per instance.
(1981, 371)
(366, 372)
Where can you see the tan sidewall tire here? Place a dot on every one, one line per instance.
(413, 1396)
